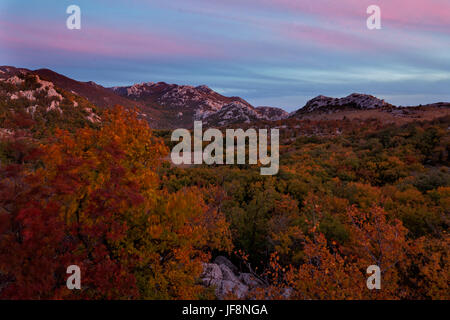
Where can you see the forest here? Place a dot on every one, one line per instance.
(105, 197)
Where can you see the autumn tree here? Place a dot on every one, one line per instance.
(96, 202)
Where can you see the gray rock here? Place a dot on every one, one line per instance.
(222, 260)
(226, 279)
(250, 280)
(212, 275)
(227, 274)
(231, 287)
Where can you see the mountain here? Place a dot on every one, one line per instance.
(272, 113)
(95, 93)
(240, 112)
(355, 101)
(181, 105)
(25, 98)
(169, 106)
(201, 99)
(163, 105)
(363, 106)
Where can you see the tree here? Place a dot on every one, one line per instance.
(96, 202)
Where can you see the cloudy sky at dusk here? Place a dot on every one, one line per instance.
(269, 52)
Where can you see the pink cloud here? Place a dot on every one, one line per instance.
(417, 14)
(101, 41)
(336, 24)
(314, 36)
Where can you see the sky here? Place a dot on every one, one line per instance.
(270, 52)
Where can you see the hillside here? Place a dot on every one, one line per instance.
(169, 106)
(181, 105)
(28, 102)
(364, 107)
(92, 185)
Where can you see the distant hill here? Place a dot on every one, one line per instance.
(363, 106)
(95, 93)
(26, 97)
(180, 105)
(169, 106)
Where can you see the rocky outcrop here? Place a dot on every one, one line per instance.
(354, 101)
(225, 277)
(25, 90)
(272, 113)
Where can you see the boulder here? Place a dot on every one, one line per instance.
(226, 278)
(228, 274)
(222, 260)
(212, 275)
(250, 280)
(231, 287)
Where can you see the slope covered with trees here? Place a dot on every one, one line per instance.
(349, 194)
(368, 195)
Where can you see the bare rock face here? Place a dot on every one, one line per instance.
(355, 101)
(225, 277)
(250, 280)
(237, 289)
(227, 280)
(231, 284)
(222, 260)
(212, 275)
(227, 274)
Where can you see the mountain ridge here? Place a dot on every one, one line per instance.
(168, 106)
(192, 103)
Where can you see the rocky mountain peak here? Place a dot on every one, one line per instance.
(354, 100)
(188, 103)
